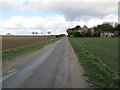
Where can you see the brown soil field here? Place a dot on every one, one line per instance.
(10, 42)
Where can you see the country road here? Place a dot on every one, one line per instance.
(54, 67)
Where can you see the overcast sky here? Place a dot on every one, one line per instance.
(25, 16)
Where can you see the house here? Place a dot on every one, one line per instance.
(107, 34)
(78, 31)
(72, 31)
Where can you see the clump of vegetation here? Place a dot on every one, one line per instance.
(75, 34)
(99, 74)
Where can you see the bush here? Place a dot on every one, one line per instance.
(75, 34)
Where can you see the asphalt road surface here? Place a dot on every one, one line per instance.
(50, 68)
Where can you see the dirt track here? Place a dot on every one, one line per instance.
(54, 66)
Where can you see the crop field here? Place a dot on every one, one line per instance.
(10, 42)
(99, 58)
(105, 49)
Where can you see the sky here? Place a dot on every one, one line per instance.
(20, 17)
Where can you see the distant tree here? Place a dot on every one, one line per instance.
(85, 26)
(49, 32)
(97, 33)
(8, 34)
(36, 33)
(105, 27)
(117, 28)
(78, 27)
(88, 33)
(95, 28)
(33, 32)
(41, 32)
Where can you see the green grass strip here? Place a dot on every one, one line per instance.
(11, 53)
(99, 74)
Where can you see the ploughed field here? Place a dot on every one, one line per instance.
(10, 42)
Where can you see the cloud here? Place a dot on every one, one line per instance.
(77, 9)
(56, 24)
(19, 24)
(70, 9)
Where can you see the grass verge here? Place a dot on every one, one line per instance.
(11, 53)
(99, 74)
